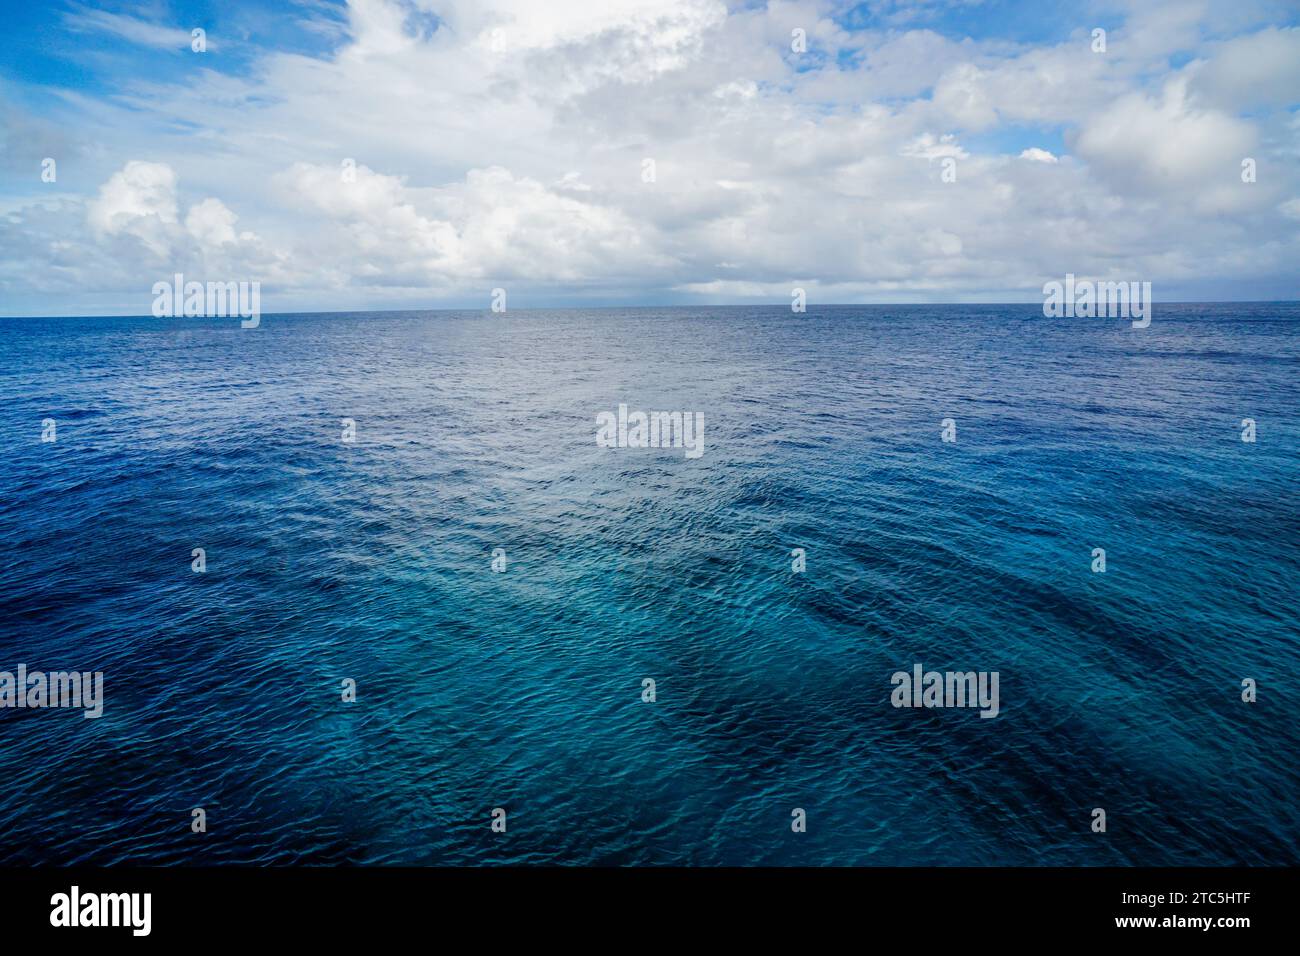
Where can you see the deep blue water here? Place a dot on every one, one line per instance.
(371, 560)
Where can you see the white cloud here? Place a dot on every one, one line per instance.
(1261, 69)
(134, 219)
(131, 29)
(929, 146)
(211, 223)
(963, 94)
(1167, 144)
(139, 200)
(1037, 155)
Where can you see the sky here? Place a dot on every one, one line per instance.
(390, 154)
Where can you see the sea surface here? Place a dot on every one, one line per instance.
(371, 560)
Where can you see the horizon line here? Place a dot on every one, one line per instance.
(611, 308)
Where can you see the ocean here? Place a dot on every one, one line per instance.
(473, 435)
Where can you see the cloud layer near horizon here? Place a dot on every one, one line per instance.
(505, 143)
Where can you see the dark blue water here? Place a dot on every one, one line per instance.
(372, 561)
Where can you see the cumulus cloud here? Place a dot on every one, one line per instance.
(1037, 155)
(490, 224)
(138, 200)
(211, 223)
